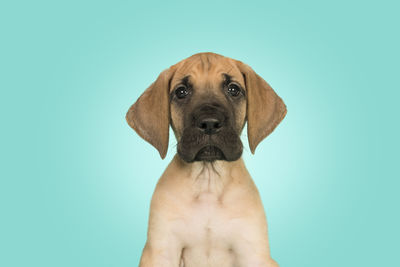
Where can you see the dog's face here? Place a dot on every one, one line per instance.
(207, 99)
(208, 109)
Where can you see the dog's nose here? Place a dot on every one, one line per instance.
(209, 125)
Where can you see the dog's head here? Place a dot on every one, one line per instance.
(207, 99)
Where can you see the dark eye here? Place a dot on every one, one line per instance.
(181, 91)
(233, 89)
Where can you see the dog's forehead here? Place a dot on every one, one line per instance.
(206, 69)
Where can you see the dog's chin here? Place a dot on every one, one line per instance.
(210, 154)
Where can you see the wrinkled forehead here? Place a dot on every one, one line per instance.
(205, 71)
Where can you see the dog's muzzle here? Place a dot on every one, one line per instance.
(210, 136)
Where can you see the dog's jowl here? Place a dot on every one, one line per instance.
(206, 210)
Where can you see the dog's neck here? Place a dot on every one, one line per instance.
(210, 178)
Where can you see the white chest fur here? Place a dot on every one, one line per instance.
(207, 215)
(206, 228)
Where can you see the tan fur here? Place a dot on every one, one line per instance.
(206, 213)
(265, 109)
(149, 116)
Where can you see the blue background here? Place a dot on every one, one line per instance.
(76, 181)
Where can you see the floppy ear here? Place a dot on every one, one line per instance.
(149, 116)
(265, 109)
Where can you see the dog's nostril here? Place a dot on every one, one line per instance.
(203, 125)
(210, 125)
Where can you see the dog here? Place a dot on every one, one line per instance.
(206, 209)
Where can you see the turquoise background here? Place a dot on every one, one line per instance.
(76, 181)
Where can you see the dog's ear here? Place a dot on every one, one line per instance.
(265, 109)
(149, 116)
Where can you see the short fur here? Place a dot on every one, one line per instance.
(206, 210)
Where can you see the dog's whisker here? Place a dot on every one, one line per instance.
(214, 169)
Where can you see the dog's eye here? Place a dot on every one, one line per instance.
(233, 89)
(181, 91)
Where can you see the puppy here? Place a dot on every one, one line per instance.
(206, 210)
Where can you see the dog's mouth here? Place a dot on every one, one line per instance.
(209, 153)
(195, 146)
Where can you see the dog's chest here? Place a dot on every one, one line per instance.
(206, 220)
(206, 229)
